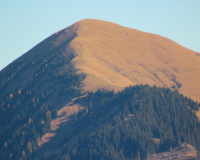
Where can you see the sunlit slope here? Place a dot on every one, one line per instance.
(114, 57)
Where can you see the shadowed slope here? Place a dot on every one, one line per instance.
(114, 57)
(32, 89)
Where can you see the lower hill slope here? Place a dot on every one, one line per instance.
(132, 124)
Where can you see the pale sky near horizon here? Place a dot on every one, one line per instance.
(25, 23)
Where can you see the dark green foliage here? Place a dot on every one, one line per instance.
(127, 125)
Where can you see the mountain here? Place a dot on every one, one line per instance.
(52, 102)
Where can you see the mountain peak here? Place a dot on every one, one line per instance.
(114, 57)
(98, 24)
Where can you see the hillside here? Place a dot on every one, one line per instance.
(136, 123)
(33, 89)
(50, 96)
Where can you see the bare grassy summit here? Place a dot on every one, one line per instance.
(114, 57)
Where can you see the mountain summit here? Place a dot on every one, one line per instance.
(114, 57)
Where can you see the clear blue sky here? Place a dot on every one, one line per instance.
(25, 23)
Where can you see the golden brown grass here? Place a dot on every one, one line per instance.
(114, 57)
(198, 114)
(68, 110)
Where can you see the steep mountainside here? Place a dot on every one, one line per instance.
(43, 91)
(32, 89)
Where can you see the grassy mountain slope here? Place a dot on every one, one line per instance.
(114, 57)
